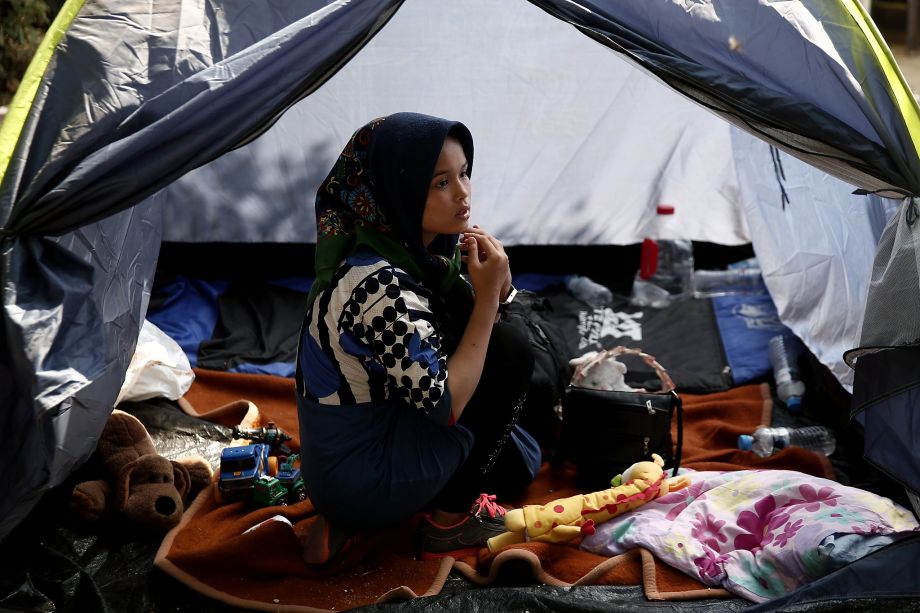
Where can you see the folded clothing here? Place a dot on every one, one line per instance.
(239, 326)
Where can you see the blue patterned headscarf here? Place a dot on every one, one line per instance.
(375, 196)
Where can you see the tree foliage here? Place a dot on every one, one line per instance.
(22, 26)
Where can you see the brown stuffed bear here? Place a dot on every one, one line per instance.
(140, 485)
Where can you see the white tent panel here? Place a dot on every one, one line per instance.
(573, 144)
(816, 252)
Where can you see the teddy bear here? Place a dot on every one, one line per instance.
(138, 484)
(564, 519)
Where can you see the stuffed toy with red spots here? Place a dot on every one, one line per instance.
(565, 519)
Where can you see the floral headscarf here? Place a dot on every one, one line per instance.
(375, 196)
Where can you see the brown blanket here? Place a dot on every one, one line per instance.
(251, 557)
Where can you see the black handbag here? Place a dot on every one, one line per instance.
(604, 432)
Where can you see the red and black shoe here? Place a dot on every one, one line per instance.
(467, 536)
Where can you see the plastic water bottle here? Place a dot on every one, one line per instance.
(767, 441)
(784, 356)
(645, 294)
(667, 263)
(748, 263)
(588, 290)
(733, 281)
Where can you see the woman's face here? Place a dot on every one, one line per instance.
(447, 210)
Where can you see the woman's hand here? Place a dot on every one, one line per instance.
(487, 263)
(489, 273)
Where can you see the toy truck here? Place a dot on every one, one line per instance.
(268, 491)
(291, 479)
(240, 468)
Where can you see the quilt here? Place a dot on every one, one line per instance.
(756, 533)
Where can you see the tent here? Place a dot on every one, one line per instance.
(144, 122)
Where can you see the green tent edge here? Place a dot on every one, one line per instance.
(22, 100)
(900, 91)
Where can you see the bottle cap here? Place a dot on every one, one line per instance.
(794, 404)
(745, 441)
(665, 209)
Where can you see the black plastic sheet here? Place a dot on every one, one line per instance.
(49, 563)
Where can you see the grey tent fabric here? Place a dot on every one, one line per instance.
(78, 304)
(895, 283)
(884, 402)
(130, 102)
(126, 136)
(815, 97)
(885, 388)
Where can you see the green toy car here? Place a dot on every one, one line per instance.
(268, 492)
(291, 479)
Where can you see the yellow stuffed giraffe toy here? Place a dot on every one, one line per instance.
(564, 519)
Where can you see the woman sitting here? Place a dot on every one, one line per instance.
(408, 390)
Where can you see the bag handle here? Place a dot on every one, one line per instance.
(581, 371)
(680, 431)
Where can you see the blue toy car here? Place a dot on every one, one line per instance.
(239, 469)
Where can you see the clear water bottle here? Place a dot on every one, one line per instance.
(730, 282)
(645, 294)
(667, 263)
(588, 290)
(767, 441)
(748, 263)
(784, 356)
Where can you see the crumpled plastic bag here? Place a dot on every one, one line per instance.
(159, 368)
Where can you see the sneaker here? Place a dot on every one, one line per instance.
(466, 537)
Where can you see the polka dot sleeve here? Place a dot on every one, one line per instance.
(397, 324)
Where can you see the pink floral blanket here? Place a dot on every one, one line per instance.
(756, 533)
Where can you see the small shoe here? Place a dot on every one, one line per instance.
(466, 537)
(324, 541)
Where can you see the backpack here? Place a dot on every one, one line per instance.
(542, 414)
